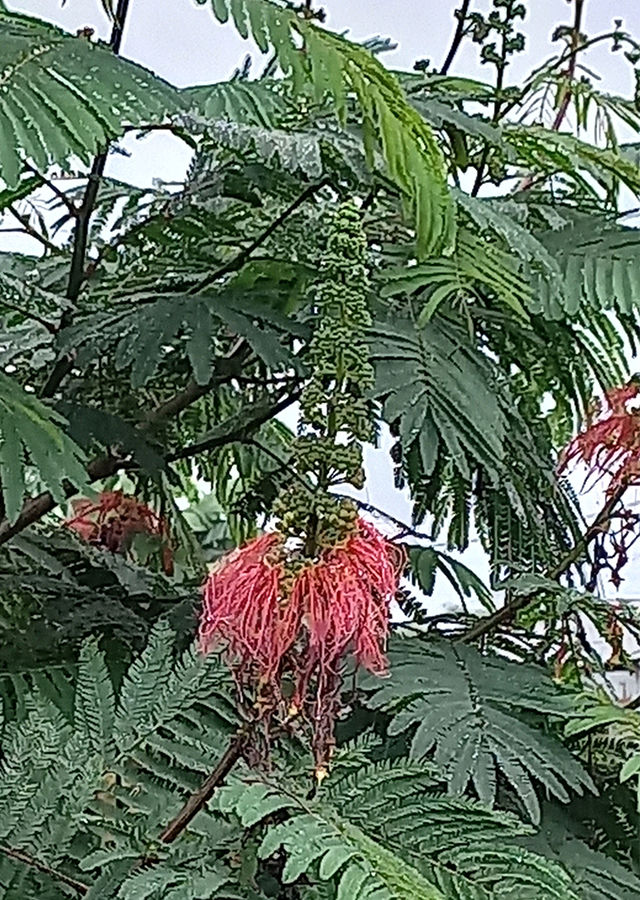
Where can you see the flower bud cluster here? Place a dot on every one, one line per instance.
(335, 413)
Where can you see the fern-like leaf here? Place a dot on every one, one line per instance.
(474, 265)
(471, 709)
(318, 840)
(426, 562)
(423, 377)
(94, 709)
(138, 338)
(143, 685)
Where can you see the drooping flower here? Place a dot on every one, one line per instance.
(114, 518)
(610, 448)
(287, 623)
(610, 445)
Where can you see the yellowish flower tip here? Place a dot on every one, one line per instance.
(293, 711)
(321, 773)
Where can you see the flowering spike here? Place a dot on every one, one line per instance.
(289, 606)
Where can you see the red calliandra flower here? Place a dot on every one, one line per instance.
(287, 624)
(610, 445)
(113, 519)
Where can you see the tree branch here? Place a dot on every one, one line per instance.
(31, 231)
(238, 261)
(103, 467)
(244, 428)
(204, 793)
(21, 856)
(83, 217)
(507, 612)
(227, 368)
(461, 15)
(405, 530)
(34, 509)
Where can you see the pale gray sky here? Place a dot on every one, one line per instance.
(182, 42)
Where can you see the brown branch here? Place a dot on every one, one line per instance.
(28, 860)
(204, 793)
(507, 612)
(37, 507)
(227, 368)
(83, 217)
(461, 15)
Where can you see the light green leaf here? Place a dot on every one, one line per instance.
(334, 67)
(65, 97)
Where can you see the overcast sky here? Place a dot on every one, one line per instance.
(182, 42)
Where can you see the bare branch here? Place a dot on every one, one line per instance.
(27, 859)
(461, 15)
(507, 612)
(31, 231)
(37, 507)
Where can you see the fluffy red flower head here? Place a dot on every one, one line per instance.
(610, 445)
(113, 519)
(291, 622)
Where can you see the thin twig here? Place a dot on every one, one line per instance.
(245, 428)
(46, 182)
(284, 464)
(528, 181)
(461, 15)
(31, 231)
(405, 530)
(83, 217)
(507, 612)
(571, 70)
(558, 61)
(28, 314)
(238, 261)
(27, 859)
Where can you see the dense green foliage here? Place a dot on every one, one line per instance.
(150, 344)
